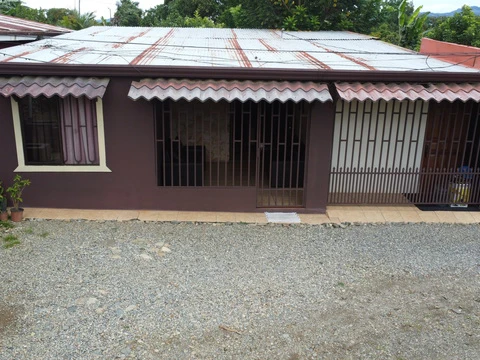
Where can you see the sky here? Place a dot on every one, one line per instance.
(101, 7)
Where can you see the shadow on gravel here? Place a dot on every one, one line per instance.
(8, 316)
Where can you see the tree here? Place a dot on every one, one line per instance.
(56, 15)
(256, 14)
(15, 8)
(205, 8)
(154, 16)
(198, 22)
(399, 23)
(78, 21)
(410, 28)
(128, 13)
(462, 28)
(7, 5)
(301, 20)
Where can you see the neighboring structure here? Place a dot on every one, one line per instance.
(15, 31)
(450, 52)
(223, 119)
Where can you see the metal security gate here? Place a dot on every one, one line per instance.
(237, 144)
(282, 154)
(406, 152)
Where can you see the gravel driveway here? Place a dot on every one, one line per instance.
(111, 290)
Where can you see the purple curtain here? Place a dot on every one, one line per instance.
(79, 131)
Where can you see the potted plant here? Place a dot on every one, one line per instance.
(3, 204)
(15, 192)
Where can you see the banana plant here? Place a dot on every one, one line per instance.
(410, 27)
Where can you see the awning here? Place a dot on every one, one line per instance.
(217, 90)
(405, 91)
(49, 86)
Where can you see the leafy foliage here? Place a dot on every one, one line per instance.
(394, 21)
(6, 225)
(15, 8)
(7, 5)
(200, 22)
(10, 241)
(461, 28)
(410, 28)
(3, 199)
(301, 20)
(128, 13)
(15, 191)
(78, 21)
(56, 15)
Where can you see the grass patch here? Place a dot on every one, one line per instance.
(29, 231)
(44, 234)
(10, 241)
(6, 225)
(11, 244)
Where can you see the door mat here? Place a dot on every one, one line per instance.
(447, 208)
(282, 217)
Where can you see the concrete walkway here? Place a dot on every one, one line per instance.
(335, 214)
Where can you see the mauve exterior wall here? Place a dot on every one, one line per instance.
(129, 137)
(130, 152)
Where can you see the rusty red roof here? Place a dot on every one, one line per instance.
(403, 91)
(49, 86)
(10, 25)
(324, 51)
(216, 90)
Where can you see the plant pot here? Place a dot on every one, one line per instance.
(3, 216)
(16, 214)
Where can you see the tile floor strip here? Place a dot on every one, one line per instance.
(334, 214)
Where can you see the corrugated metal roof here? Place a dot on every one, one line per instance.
(432, 91)
(49, 86)
(10, 25)
(230, 48)
(176, 89)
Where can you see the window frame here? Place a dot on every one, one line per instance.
(22, 167)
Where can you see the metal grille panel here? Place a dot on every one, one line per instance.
(282, 154)
(405, 152)
(238, 144)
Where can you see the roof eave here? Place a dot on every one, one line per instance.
(34, 33)
(47, 69)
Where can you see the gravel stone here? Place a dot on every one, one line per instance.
(230, 291)
(165, 249)
(91, 301)
(145, 256)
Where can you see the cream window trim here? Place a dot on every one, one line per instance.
(22, 167)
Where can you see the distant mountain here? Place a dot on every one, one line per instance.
(476, 11)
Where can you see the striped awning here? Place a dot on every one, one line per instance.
(217, 90)
(50, 86)
(405, 91)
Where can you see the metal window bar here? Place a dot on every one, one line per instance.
(417, 156)
(234, 144)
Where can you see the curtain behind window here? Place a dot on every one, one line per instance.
(79, 131)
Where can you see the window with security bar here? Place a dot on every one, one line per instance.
(59, 131)
(206, 144)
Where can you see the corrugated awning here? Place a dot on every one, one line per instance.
(217, 90)
(50, 86)
(405, 91)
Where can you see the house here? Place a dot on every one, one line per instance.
(15, 31)
(236, 120)
(450, 52)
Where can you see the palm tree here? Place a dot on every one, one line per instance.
(78, 21)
